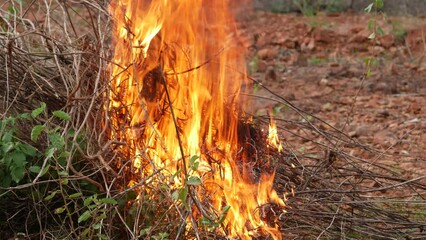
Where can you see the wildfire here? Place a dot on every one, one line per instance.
(174, 94)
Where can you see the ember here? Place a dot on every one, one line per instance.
(174, 100)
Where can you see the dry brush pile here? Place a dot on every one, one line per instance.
(59, 174)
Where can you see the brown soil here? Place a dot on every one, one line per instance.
(319, 64)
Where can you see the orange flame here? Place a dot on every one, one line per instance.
(273, 138)
(175, 86)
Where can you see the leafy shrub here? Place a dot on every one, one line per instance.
(34, 154)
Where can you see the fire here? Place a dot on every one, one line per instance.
(174, 93)
(273, 138)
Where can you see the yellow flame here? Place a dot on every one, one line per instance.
(185, 54)
(273, 138)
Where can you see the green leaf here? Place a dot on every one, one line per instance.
(62, 115)
(25, 116)
(175, 174)
(85, 232)
(83, 217)
(35, 169)
(62, 158)
(38, 110)
(87, 201)
(35, 132)
(63, 173)
(221, 219)
(193, 180)
(196, 165)
(17, 173)
(180, 194)
(183, 194)
(380, 31)
(95, 199)
(7, 136)
(18, 158)
(28, 149)
(100, 217)
(92, 206)
(193, 163)
(371, 24)
(103, 210)
(226, 209)
(76, 195)
(45, 170)
(193, 159)
(59, 210)
(108, 201)
(96, 226)
(51, 195)
(7, 160)
(379, 3)
(49, 152)
(175, 195)
(206, 222)
(64, 154)
(223, 215)
(11, 121)
(7, 147)
(56, 140)
(368, 8)
(65, 181)
(163, 235)
(144, 231)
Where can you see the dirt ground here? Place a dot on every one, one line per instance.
(319, 64)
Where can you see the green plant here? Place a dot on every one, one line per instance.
(19, 158)
(374, 7)
(14, 153)
(306, 7)
(95, 209)
(373, 26)
(35, 149)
